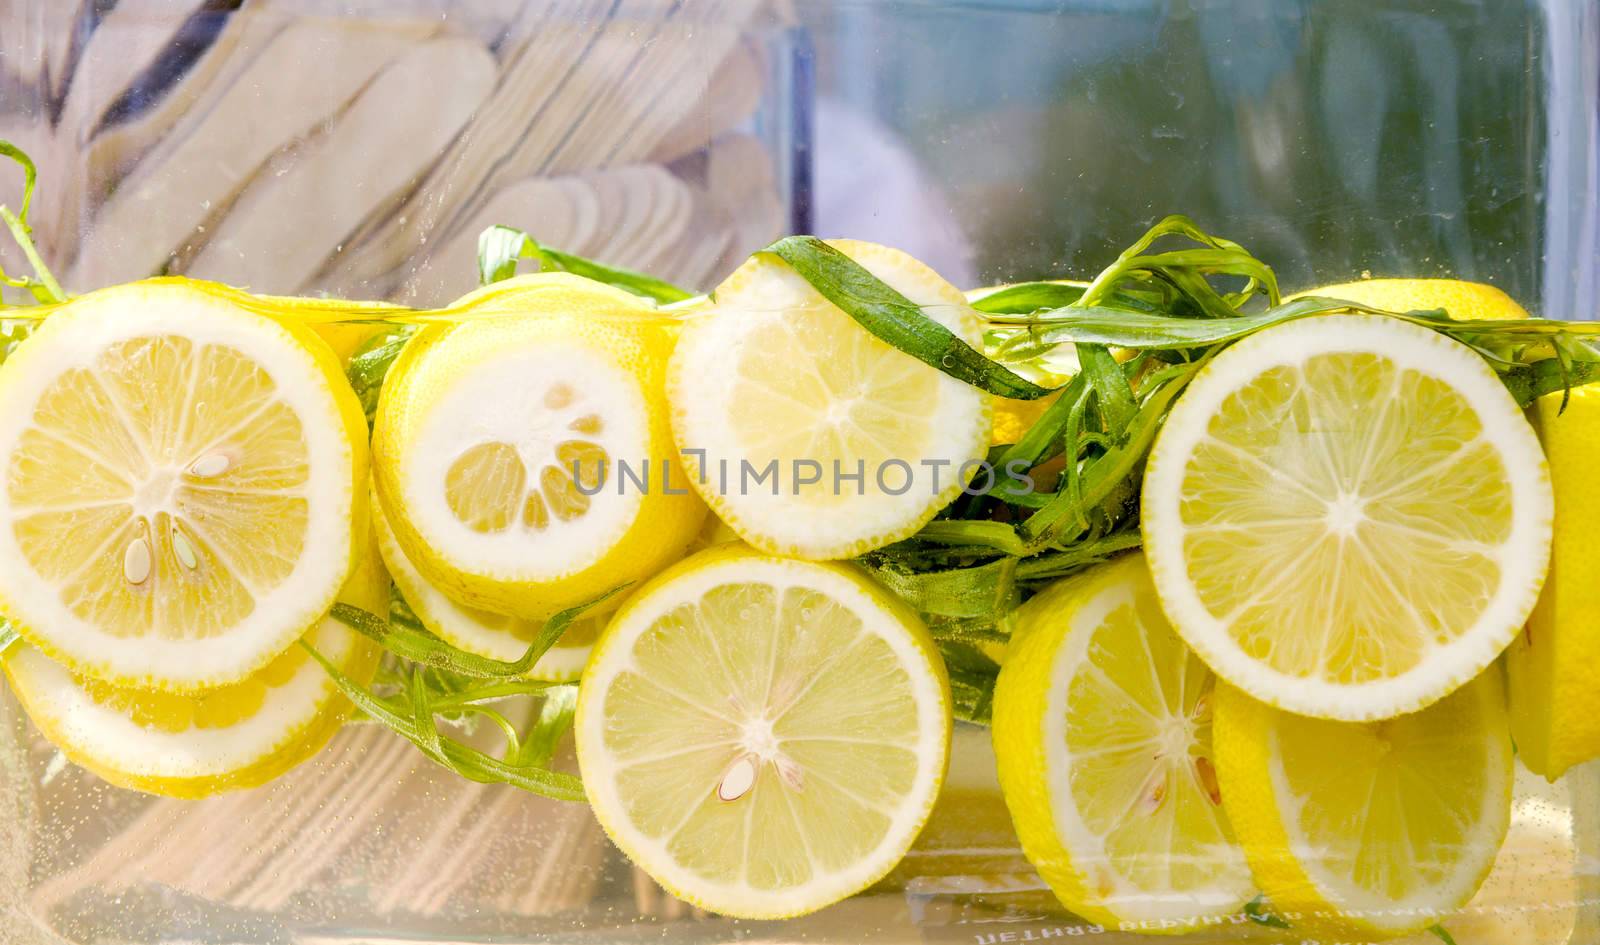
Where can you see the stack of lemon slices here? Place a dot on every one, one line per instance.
(182, 503)
(1293, 690)
(766, 735)
(189, 492)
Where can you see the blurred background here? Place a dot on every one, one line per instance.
(355, 147)
(1332, 137)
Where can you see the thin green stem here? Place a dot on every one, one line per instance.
(46, 288)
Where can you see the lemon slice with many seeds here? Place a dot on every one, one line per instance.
(815, 438)
(763, 736)
(180, 499)
(1347, 516)
(229, 738)
(1102, 735)
(496, 636)
(501, 439)
(1368, 829)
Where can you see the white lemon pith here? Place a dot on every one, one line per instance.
(763, 736)
(180, 500)
(772, 386)
(1102, 733)
(1347, 516)
(496, 636)
(232, 737)
(1552, 664)
(1368, 828)
(501, 440)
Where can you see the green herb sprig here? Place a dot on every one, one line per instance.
(426, 679)
(1257, 911)
(369, 366)
(42, 285)
(501, 247)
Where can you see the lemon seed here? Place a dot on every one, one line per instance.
(738, 780)
(211, 464)
(184, 550)
(136, 561)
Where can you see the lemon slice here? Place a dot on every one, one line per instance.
(1463, 300)
(815, 438)
(1347, 516)
(763, 736)
(1102, 735)
(180, 499)
(1555, 704)
(229, 738)
(496, 636)
(1372, 829)
(523, 455)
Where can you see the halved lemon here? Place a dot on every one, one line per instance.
(181, 494)
(523, 454)
(763, 736)
(1347, 516)
(1102, 734)
(496, 636)
(811, 437)
(1372, 829)
(229, 738)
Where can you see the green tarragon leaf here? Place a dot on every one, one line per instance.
(501, 247)
(895, 319)
(435, 679)
(419, 646)
(464, 760)
(1147, 331)
(1528, 382)
(43, 285)
(1256, 911)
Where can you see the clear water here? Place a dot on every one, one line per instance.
(997, 140)
(370, 843)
